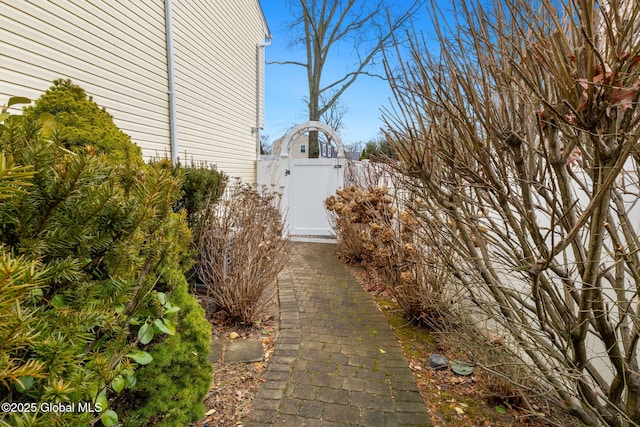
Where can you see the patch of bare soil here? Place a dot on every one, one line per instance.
(234, 384)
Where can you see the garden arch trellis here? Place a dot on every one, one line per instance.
(304, 183)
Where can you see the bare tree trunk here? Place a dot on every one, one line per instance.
(328, 24)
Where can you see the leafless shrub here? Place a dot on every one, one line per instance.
(371, 230)
(366, 174)
(241, 252)
(521, 137)
(419, 282)
(353, 211)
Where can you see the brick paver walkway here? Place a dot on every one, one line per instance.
(336, 360)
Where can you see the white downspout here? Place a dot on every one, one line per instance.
(260, 64)
(173, 128)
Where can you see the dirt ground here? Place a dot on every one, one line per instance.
(234, 384)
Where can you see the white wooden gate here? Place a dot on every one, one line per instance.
(311, 181)
(304, 184)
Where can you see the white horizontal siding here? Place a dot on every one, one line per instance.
(115, 50)
(216, 67)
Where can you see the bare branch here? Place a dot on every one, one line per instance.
(302, 64)
(329, 24)
(520, 136)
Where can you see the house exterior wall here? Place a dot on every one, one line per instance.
(117, 51)
(296, 151)
(217, 83)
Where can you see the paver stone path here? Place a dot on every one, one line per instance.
(336, 360)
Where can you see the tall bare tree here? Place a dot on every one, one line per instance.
(334, 117)
(325, 26)
(520, 141)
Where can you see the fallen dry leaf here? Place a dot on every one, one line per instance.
(496, 339)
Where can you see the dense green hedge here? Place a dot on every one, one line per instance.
(201, 184)
(90, 248)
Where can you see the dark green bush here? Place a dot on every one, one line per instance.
(379, 149)
(201, 185)
(82, 259)
(170, 391)
(81, 123)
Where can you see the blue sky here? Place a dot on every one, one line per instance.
(285, 85)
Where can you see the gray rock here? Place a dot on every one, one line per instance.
(438, 362)
(243, 351)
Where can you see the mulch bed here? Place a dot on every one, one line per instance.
(452, 400)
(234, 384)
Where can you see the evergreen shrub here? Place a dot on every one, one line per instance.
(85, 264)
(81, 123)
(169, 391)
(201, 185)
